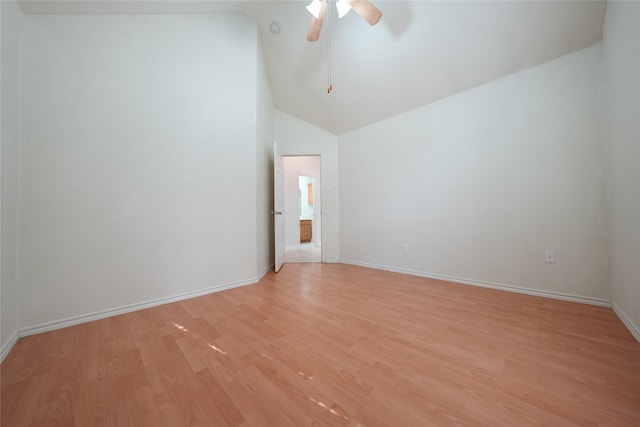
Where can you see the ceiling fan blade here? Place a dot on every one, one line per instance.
(364, 8)
(316, 24)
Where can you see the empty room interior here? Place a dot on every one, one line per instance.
(467, 174)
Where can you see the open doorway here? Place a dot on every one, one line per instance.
(302, 209)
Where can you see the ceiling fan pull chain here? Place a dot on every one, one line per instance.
(330, 85)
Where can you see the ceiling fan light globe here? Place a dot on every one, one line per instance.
(343, 7)
(314, 8)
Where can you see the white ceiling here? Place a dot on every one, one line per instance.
(420, 51)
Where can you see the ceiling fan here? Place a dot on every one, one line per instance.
(318, 8)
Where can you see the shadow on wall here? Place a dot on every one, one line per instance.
(397, 18)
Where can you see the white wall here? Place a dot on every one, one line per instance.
(296, 137)
(139, 160)
(10, 18)
(294, 167)
(621, 46)
(480, 184)
(264, 167)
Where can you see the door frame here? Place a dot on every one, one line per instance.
(318, 213)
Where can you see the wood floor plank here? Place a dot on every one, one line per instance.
(335, 345)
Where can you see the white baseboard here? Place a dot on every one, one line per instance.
(49, 326)
(291, 248)
(265, 271)
(499, 286)
(76, 320)
(635, 331)
(7, 346)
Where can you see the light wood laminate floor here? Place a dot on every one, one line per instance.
(330, 344)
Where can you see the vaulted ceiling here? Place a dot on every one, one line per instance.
(420, 51)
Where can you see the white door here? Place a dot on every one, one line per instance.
(278, 207)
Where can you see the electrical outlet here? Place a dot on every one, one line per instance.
(404, 248)
(550, 257)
